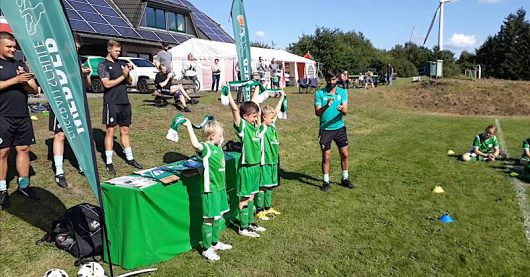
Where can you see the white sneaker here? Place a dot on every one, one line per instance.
(222, 246)
(248, 233)
(256, 228)
(210, 254)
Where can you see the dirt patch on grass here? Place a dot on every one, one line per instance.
(465, 97)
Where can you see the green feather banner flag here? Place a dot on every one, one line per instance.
(239, 23)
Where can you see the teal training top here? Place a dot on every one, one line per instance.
(332, 118)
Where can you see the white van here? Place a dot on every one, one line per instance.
(142, 71)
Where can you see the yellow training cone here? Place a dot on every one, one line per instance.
(438, 189)
(450, 152)
(33, 117)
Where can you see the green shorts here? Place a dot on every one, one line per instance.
(269, 175)
(214, 204)
(248, 180)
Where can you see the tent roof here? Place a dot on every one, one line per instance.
(207, 49)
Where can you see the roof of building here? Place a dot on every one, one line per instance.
(121, 19)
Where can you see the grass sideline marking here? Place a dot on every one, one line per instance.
(519, 187)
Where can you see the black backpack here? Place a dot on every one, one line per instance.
(233, 146)
(78, 232)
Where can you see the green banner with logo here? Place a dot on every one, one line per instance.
(239, 22)
(45, 37)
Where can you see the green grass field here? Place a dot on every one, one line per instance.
(385, 226)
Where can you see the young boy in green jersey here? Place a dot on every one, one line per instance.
(525, 156)
(485, 147)
(247, 126)
(214, 200)
(269, 166)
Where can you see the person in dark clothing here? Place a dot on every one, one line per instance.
(163, 81)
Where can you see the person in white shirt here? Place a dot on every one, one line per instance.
(216, 75)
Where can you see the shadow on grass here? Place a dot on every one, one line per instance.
(99, 139)
(68, 154)
(12, 165)
(299, 177)
(171, 157)
(37, 213)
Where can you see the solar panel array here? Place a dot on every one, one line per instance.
(206, 24)
(98, 17)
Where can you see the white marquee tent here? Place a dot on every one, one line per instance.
(206, 51)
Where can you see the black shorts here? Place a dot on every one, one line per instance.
(339, 136)
(16, 131)
(117, 114)
(53, 124)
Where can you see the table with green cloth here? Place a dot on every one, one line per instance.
(156, 223)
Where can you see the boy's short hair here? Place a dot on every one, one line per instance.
(212, 127)
(330, 74)
(113, 43)
(491, 128)
(7, 35)
(248, 108)
(160, 66)
(266, 110)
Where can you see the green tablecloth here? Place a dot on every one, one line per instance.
(154, 224)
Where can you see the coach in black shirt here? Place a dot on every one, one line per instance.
(16, 129)
(114, 75)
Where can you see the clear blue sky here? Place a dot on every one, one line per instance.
(384, 22)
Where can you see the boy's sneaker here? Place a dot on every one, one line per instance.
(262, 216)
(256, 228)
(272, 211)
(210, 254)
(29, 193)
(346, 183)
(325, 187)
(134, 164)
(110, 169)
(248, 233)
(61, 181)
(4, 200)
(222, 246)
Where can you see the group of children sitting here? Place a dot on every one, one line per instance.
(257, 173)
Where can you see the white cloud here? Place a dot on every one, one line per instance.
(260, 34)
(489, 1)
(462, 41)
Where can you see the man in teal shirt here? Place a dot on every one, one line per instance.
(331, 104)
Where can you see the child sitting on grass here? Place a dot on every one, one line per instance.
(214, 199)
(269, 166)
(485, 147)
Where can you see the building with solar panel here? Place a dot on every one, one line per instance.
(139, 25)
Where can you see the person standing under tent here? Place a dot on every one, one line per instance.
(16, 129)
(331, 105)
(54, 126)
(261, 67)
(389, 73)
(216, 75)
(114, 75)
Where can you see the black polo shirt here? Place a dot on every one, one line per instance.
(14, 99)
(113, 70)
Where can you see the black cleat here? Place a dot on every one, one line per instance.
(325, 187)
(110, 170)
(346, 183)
(187, 110)
(4, 200)
(61, 181)
(193, 101)
(134, 164)
(29, 193)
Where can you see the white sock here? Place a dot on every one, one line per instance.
(58, 161)
(345, 174)
(108, 154)
(326, 178)
(3, 185)
(128, 153)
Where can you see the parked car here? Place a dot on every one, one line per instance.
(92, 62)
(142, 71)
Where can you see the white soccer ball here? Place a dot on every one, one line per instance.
(91, 269)
(55, 273)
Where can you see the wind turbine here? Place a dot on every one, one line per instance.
(440, 10)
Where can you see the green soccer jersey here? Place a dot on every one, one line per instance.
(213, 160)
(485, 145)
(332, 118)
(526, 145)
(252, 142)
(271, 145)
